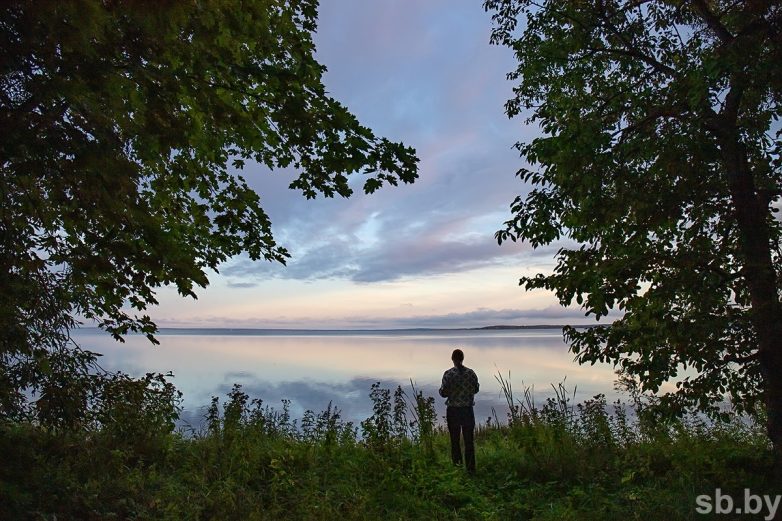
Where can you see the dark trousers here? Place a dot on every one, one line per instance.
(461, 421)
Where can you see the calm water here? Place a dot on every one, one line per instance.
(312, 368)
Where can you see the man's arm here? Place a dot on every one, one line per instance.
(476, 386)
(444, 386)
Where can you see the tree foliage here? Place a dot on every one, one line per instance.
(658, 172)
(125, 125)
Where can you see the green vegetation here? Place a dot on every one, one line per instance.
(554, 461)
(659, 162)
(125, 131)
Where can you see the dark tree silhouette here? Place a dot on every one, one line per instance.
(123, 127)
(661, 161)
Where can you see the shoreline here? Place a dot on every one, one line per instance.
(263, 330)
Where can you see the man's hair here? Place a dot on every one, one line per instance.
(457, 356)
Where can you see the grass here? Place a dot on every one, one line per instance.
(555, 461)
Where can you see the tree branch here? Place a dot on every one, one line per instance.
(655, 64)
(712, 21)
(630, 48)
(654, 113)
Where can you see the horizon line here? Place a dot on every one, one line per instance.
(499, 327)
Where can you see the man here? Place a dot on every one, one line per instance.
(460, 384)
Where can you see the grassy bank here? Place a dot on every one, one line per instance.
(556, 461)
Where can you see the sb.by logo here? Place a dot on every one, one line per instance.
(725, 504)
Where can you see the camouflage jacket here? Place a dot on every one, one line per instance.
(459, 386)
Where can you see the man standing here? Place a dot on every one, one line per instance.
(460, 384)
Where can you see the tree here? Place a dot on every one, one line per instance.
(659, 168)
(124, 124)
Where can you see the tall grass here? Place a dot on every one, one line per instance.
(559, 459)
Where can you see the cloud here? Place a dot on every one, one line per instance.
(440, 88)
(345, 256)
(234, 284)
(394, 250)
(480, 317)
(488, 317)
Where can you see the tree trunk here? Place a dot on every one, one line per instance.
(751, 212)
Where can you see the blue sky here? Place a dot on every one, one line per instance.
(420, 255)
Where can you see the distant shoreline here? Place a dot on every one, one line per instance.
(261, 330)
(539, 326)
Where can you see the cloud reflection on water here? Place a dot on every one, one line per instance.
(314, 368)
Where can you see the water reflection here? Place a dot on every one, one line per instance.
(315, 368)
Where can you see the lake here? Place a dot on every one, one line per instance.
(313, 368)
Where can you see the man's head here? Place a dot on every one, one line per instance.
(457, 356)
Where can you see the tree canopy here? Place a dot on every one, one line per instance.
(125, 125)
(659, 170)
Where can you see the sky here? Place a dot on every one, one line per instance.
(420, 255)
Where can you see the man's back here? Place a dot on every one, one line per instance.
(459, 386)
